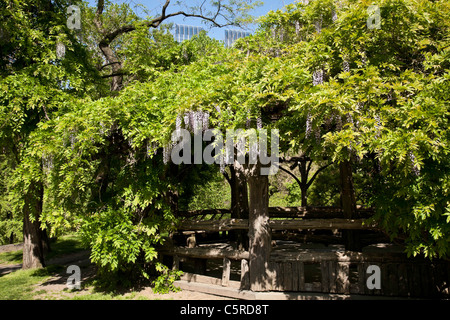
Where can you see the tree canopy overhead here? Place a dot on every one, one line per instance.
(334, 88)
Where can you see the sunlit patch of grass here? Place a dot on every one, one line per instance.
(19, 285)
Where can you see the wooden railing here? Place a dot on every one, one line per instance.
(281, 212)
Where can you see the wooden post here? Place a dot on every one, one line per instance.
(226, 272)
(239, 202)
(259, 230)
(245, 280)
(351, 237)
(176, 263)
(342, 273)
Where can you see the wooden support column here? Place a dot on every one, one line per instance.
(226, 272)
(351, 237)
(245, 280)
(259, 230)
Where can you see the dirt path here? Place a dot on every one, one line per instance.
(55, 288)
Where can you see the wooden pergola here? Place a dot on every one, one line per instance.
(288, 266)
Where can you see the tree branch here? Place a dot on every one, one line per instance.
(292, 175)
(316, 173)
(97, 21)
(109, 37)
(108, 64)
(114, 75)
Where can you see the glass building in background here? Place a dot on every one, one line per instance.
(186, 32)
(183, 32)
(232, 35)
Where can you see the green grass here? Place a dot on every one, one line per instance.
(13, 257)
(24, 284)
(19, 285)
(64, 245)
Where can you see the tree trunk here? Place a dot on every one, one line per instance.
(11, 236)
(259, 231)
(33, 249)
(348, 203)
(304, 191)
(239, 203)
(116, 67)
(304, 182)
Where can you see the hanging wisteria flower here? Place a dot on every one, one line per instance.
(186, 120)
(259, 123)
(166, 154)
(334, 16)
(317, 77)
(205, 121)
(415, 168)
(346, 66)
(308, 126)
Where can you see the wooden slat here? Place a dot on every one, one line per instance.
(332, 276)
(295, 276)
(324, 268)
(278, 280)
(287, 276)
(301, 274)
(361, 278)
(393, 279)
(417, 290)
(402, 280)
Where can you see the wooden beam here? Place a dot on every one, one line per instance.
(316, 212)
(210, 253)
(234, 224)
(299, 212)
(193, 213)
(307, 255)
(324, 224)
(197, 278)
(214, 225)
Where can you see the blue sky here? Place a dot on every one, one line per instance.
(154, 6)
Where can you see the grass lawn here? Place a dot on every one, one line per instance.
(19, 285)
(50, 282)
(24, 284)
(12, 257)
(64, 245)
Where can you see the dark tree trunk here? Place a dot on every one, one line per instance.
(259, 231)
(304, 182)
(33, 248)
(239, 203)
(11, 236)
(348, 203)
(116, 83)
